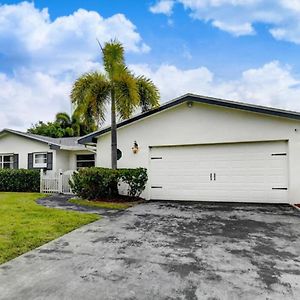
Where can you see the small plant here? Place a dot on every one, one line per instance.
(21, 180)
(96, 183)
(136, 180)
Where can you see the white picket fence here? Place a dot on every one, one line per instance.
(53, 182)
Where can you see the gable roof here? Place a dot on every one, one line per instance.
(199, 99)
(66, 143)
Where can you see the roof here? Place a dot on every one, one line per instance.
(66, 143)
(199, 99)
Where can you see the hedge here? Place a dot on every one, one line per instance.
(21, 180)
(94, 183)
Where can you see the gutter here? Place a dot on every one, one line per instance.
(71, 148)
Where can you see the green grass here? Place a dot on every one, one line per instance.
(103, 204)
(25, 225)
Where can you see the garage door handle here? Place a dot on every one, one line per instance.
(214, 176)
(210, 176)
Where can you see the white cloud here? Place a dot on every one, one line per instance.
(238, 17)
(174, 82)
(31, 96)
(291, 4)
(40, 58)
(235, 29)
(272, 84)
(163, 7)
(30, 37)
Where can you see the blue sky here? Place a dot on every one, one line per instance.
(248, 51)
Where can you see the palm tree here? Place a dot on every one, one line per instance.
(63, 119)
(148, 92)
(73, 125)
(83, 126)
(118, 86)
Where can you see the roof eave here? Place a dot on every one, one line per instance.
(72, 148)
(6, 130)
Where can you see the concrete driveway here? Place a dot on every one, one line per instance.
(167, 251)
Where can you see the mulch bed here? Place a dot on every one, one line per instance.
(298, 205)
(119, 199)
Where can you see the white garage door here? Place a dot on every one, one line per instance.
(243, 172)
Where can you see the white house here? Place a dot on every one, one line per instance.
(20, 150)
(208, 149)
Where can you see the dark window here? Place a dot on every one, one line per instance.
(85, 161)
(6, 161)
(85, 157)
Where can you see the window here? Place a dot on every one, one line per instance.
(39, 160)
(6, 161)
(85, 161)
(119, 154)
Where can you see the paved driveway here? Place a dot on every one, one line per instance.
(167, 251)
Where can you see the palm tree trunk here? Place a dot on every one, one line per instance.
(113, 132)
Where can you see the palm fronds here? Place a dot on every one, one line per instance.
(148, 93)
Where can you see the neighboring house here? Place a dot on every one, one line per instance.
(208, 149)
(20, 150)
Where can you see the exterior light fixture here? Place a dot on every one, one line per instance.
(189, 104)
(135, 147)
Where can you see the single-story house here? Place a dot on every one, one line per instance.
(20, 150)
(208, 149)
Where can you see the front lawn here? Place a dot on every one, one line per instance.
(103, 204)
(25, 225)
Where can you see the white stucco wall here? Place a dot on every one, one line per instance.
(63, 160)
(203, 124)
(14, 144)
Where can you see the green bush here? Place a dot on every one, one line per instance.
(94, 183)
(21, 180)
(136, 180)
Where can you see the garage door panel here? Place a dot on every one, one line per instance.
(244, 172)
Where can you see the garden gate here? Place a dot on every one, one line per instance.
(56, 182)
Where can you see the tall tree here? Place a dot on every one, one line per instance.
(63, 126)
(63, 119)
(116, 86)
(148, 93)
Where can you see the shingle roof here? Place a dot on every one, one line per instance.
(66, 142)
(200, 99)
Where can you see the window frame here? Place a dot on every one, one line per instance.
(39, 165)
(85, 160)
(2, 162)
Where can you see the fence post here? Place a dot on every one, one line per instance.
(60, 181)
(41, 180)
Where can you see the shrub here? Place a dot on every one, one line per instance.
(136, 180)
(93, 183)
(20, 180)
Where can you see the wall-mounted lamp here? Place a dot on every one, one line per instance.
(135, 147)
(189, 104)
